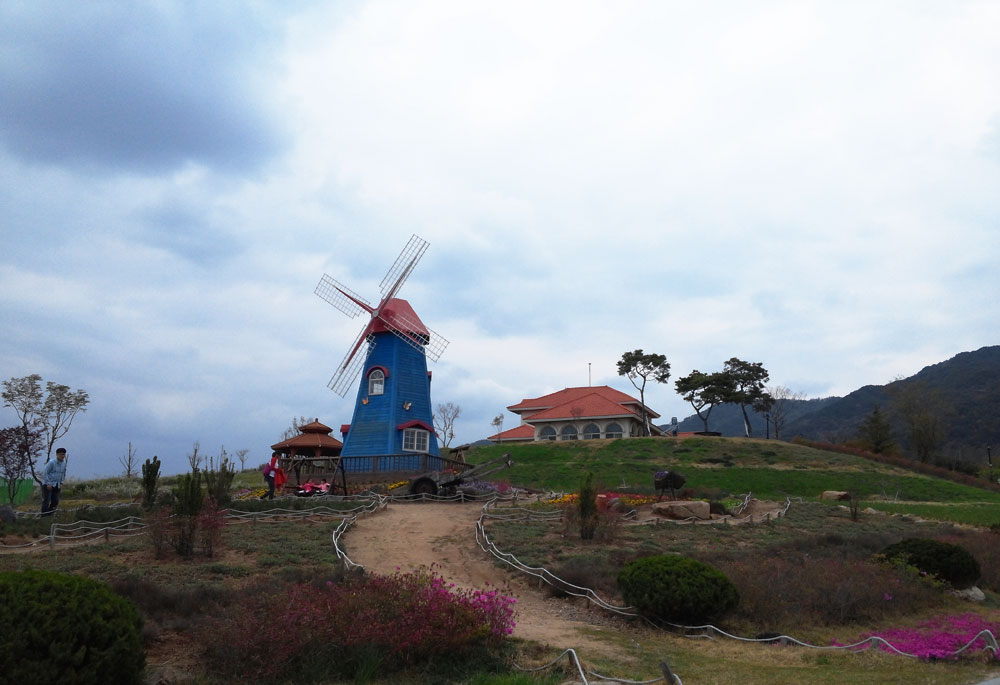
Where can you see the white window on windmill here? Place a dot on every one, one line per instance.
(568, 432)
(547, 433)
(376, 382)
(415, 440)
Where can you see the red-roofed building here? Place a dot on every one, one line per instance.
(578, 413)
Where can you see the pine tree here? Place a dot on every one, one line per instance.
(875, 433)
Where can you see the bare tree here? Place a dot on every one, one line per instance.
(783, 397)
(223, 457)
(295, 428)
(497, 422)
(241, 454)
(130, 462)
(61, 407)
(195, 459)
(444, 417)
(52, 412)
(921, 407)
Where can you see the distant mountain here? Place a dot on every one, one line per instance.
(967, 388)
(728, 419)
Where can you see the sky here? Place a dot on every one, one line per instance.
(810, 185)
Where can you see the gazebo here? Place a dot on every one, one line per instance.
(314, 451)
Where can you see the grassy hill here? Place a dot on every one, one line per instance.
(720, 467)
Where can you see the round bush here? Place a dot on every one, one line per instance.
(70, 629)
(946, 561)
(677, 589)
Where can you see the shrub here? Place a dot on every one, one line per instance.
(220, 482)
(588, 508)
(158, 521)
(590, 571)
(377, 624)
(677, 589)
(150, 475)
(605, 523)
(64, 628)
(985, 547)
(950, 563)
(187, 506)
(211, 522)
(783, 592)
(186, 603)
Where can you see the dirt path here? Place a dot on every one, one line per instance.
(407, 536)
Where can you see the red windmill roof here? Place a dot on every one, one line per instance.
(399, 315)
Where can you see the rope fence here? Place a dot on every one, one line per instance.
(83, 532)
(707, 631)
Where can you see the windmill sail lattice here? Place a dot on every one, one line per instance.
(340, 296)
(405, 262)
(390, 315)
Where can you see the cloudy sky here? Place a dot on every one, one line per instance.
(809, 185)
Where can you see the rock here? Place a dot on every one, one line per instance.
(836, 495)
(7, 514)
(973, 594)
(679, 511)
(869, 510)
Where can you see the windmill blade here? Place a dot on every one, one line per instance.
(348, 371)
(342, 297)
(403, 326)
(400, 270)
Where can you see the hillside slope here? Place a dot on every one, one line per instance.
(966, 387)
(718, 467)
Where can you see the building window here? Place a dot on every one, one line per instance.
(376, 382)
(613, 430)
(568, 433)
(415, 440)
(547, 433)
(591, 432)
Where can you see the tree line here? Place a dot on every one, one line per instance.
(739, 382)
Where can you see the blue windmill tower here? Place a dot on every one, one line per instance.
(393, 414)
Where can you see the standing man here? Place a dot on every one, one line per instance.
(52, 477)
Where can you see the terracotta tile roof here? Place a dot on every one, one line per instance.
(308, 440)
(554, 399)
(315, 427)
(582, 397)
(583, 407)
(313, 434)
(519, 433)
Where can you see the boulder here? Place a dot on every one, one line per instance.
(679, 511)
(973, 594)
(7, 514)
(836, 495)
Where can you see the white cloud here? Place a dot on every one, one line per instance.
(811, 186)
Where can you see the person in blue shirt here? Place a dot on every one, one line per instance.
(52, 477)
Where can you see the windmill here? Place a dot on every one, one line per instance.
(392, 413)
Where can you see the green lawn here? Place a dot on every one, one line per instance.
(717, 467)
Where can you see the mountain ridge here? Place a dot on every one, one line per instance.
(965, 388)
